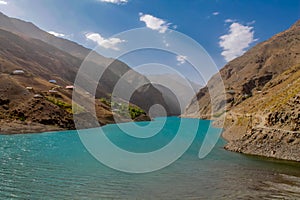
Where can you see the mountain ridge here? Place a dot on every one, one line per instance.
(114, 68)
(40, 62)
(253, 83)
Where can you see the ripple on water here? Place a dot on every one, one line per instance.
(57, 166)
(282, 187)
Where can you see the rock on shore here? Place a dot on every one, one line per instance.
(268, 142)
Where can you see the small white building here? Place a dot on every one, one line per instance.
(52, 91)
(52, 81)
(18, 72)
(70, 87)
(38, 96)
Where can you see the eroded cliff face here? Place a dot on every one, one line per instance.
(262, 98)
(271, 125)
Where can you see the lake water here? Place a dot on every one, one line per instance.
(57, 166)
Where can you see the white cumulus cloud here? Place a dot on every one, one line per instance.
(236, 41)
(181, 59)
(56, 34)
(115, 1)
(3, 2)
(229, 20)
(154, 23)
(109, 43)
(215, 13)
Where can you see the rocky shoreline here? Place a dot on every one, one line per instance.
(8, 127)
(275, 135)
(277, 144)
(19, 127)
(259, 139)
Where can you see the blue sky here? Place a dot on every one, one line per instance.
(224, 28)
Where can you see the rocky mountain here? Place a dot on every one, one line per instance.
(262, 98)
(28, 101)
(21, 27)
(175, 88)
(272, 124)
(30, 57)
(114, 71)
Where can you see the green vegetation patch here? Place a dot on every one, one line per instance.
(123, 108)
(66, 106)
(105, 101)
(135, 111)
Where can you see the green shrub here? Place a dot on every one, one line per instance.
(123, 108)
(135, 111)
(61, 104)
(105, 101)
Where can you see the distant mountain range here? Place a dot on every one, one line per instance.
(175, 88)
(43, 57)
(262, 98)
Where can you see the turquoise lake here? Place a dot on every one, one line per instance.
(58, 166)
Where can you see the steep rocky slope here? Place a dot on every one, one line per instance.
(145, 97)
(262, 98)
(30, 103)
(269, 122)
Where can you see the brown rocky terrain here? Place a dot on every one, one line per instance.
(271, 125)
(144, 98)
(30, 103)
(262, 98)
